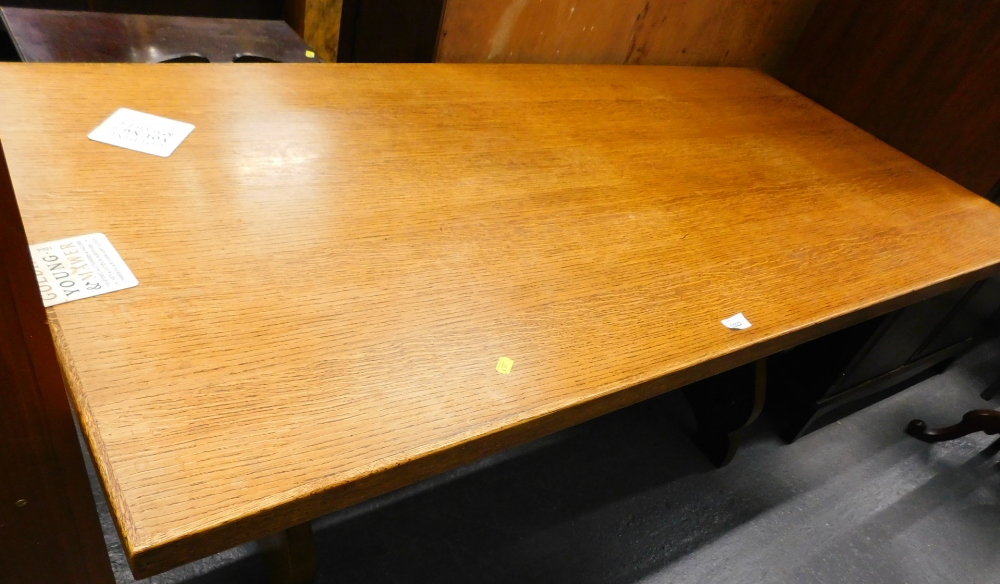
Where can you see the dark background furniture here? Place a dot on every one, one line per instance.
(922, 76)
(317, 21)
(260, 9)
(823, 380)
(100, 37)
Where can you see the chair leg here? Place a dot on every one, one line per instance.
(987, 421)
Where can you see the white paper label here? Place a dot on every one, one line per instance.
(79, 267)
(142, 132)
(737, 322)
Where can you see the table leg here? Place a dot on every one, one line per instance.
(725, 404)
(991, 391)
(987, 421)
(291, 555)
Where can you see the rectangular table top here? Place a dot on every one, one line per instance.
(333, 262)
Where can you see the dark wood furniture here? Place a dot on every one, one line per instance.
(920, 75)
(823, 380)
(986, 421)
(49, 530)
(743, 33)
(256, 9)
(734, 33)
(97, 37)
(724, 405)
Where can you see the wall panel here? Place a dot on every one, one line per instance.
(922, 75)
(751, 33)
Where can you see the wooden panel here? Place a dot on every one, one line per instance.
(321, 27)
(919, 74)
(49, 531)
(751, 33)
(332, 263)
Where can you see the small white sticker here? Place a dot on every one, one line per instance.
(142, 132)
(79, 267)
(737, 322)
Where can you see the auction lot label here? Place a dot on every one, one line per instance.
(78, 268)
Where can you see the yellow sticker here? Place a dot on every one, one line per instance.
(504, 365)
(310, 55)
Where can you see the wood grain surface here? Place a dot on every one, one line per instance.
(744, 33)
(321, 26)
(332, 263)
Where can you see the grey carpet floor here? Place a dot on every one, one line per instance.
(627, 498)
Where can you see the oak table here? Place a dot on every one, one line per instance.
(332, 264)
